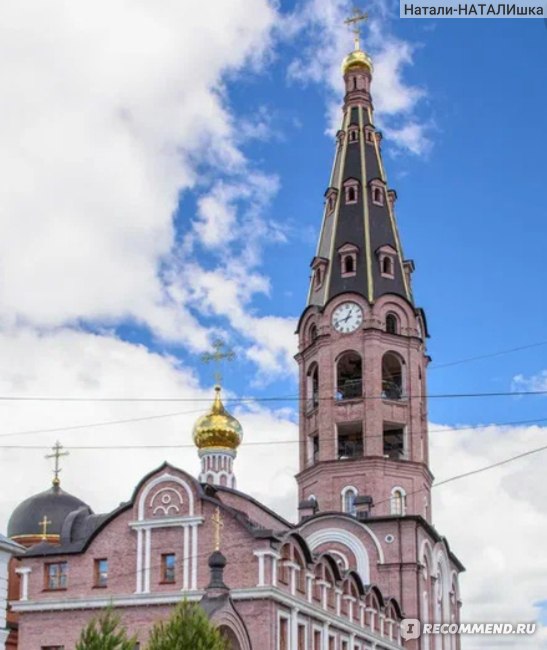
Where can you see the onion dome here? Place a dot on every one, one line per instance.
(356, 59)
(41, 517)
(217, 429)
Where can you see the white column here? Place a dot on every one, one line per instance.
(194, 556)
(147, 551)
(294, 629)
(138, 588)
(185, 563)
(24, 573)
(261, 572)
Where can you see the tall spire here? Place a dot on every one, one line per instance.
(359, 249)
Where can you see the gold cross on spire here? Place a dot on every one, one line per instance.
(221, 353)
(57, 454)
(43, 525)
(354, 22)
(218, 524)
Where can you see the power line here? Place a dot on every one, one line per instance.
(447, 429)
(281, 398)
(490, 355)
(98, 424)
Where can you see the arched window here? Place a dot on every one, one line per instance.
(284, 572)
(392, 376)
(348, 264)
(387, 265)
(378, 196)
(392, 325)
(348, 500)
(398, 498)
(349, 376)
(318, 278)
(313, 386)
(313, 333)
(351, 195)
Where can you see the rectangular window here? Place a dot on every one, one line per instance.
(394, 442)
(56, 575)
(317, 640)
(101, 572)
(350, 440)
(283, 634)
(302, 637)
(332, 643)
(168, 568)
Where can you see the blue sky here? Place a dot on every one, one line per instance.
(471, 209)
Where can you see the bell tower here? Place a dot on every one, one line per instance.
(362, 355)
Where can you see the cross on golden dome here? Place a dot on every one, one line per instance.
(221, 353)
(57, 454)
(354, 22)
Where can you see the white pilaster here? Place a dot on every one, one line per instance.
(185, 559)
(24, 573)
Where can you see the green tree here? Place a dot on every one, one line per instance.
(187, 629)
(105, 632)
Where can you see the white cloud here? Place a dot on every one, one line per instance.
(533, 383)
(106, 116)
(496, 523)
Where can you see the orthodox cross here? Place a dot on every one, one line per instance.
(218, 524)
(354, 22)
(57, 454)
(221, 353)
(43, 525)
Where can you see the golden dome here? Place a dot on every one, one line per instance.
(217, 429)
(357, 59)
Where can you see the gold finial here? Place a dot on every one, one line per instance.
(354, 22)
(218, 524)
(221, 353)
(57, 454)
(44, 524)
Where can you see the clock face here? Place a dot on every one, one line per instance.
(347, 317)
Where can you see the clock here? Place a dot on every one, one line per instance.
(347, 317)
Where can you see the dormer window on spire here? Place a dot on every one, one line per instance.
(377, 191)
(369, 134)
(351, 191)
(348, 260)
(330, 196)
(353, 134)
(386, 259)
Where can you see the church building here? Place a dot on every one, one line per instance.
(364, 553)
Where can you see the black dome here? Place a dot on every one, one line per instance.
(55, 504)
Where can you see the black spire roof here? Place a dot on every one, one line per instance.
(358, 218)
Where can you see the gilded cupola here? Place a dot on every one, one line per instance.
(217, 429)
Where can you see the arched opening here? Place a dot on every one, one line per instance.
(392, 377)
(377, 196)
(349, 376)
(312, 386)
(392, 324)
(349, 266)
(398, 502)
(352, 195)
(313, 333)
(318, 278)
(348, 500)
(387, 265)
(230, 637)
